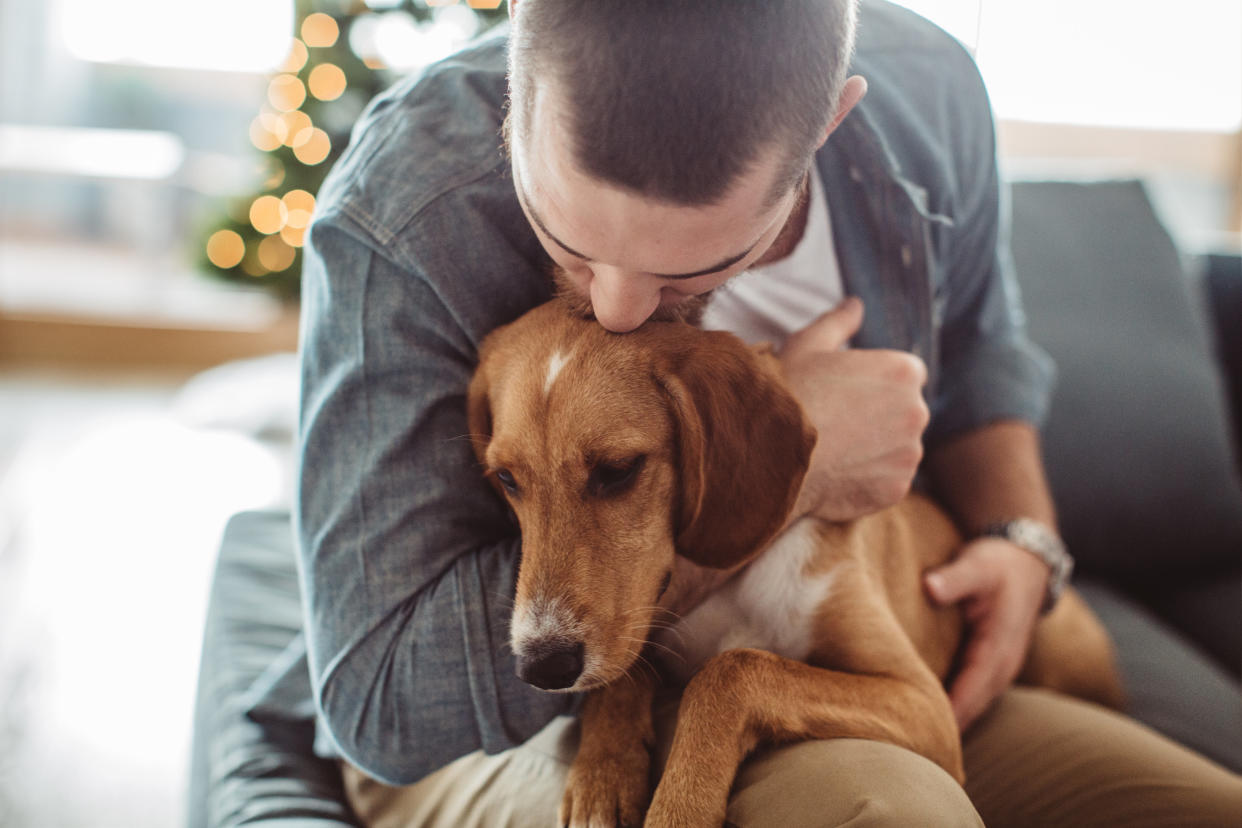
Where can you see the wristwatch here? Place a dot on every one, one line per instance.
(1042, 542)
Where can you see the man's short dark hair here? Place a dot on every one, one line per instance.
(675, 99)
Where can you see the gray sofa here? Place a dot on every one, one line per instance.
(1139, 451)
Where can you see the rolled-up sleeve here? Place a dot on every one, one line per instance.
(990, 370)
(407, 559)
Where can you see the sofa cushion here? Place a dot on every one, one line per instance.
(1137, 442)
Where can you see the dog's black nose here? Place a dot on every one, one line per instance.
(552, 667)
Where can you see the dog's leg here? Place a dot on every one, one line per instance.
(1072, 653)
(609, 782)
(743, 697)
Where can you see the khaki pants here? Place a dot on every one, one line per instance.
(1037, 759)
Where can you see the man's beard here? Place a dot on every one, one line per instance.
(689, 310)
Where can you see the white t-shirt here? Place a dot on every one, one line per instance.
(769, 303)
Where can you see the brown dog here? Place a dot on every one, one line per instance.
(618, 452)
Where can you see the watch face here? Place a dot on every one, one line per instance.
(1027, 535)
(1043, 543)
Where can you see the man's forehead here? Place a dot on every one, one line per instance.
(548, 146)
(582, 214)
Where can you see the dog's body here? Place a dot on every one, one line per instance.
(618, 452)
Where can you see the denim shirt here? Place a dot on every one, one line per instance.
(407, 559)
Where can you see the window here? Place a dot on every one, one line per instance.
(226, 35)
(1175, 66)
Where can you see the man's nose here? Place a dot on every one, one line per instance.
(623, 300)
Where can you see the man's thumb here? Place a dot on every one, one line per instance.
(953, 581)
(831, 330)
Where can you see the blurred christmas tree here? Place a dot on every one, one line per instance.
(345, 52)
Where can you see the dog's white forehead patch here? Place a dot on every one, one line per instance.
(556, 362)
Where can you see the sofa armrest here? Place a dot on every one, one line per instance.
(247, 767)
(1223, 283)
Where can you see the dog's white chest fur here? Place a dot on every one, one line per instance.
(770, 606)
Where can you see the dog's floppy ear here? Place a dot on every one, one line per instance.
(479, 411)
(485, 387)
(743, 446)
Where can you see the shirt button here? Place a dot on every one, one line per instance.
(855, 173)
(907, 255)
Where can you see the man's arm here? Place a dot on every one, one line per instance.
(983, 445)
(407, 559)
(992, 474)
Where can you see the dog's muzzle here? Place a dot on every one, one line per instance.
(551, 665)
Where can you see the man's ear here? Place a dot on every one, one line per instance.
(743, 447)
(853, 91)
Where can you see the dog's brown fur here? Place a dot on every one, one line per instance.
(726, 447)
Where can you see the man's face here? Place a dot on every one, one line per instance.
(631, 257)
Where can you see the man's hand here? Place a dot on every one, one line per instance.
(1001, 589)
(868, 409)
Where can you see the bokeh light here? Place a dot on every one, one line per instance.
(396, 40)
(457, 23)
(275, 254)
(225, 249)
(286, 93)
(326, 81)
(293, 236)
(251, 265)
(299, 205)
(296, 59)
(266, 131)
(294, 123)
(313, 148)
(268, 214)
(320, 30)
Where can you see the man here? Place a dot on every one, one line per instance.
(657, 150)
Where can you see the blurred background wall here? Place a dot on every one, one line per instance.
(158, 162)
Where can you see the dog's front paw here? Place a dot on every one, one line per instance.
(690, 810)
(607, 789)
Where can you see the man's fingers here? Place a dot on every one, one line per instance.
(831, 331)
(986, 671)
(972, 690)
(982, 581)
(954, 581)
(992, 659)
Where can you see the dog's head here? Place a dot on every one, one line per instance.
(617, 452)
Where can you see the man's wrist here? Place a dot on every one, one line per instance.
(1044, 543)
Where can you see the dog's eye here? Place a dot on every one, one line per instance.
(608, 479)
(506, 479)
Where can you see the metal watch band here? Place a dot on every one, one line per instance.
(1042, 542)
